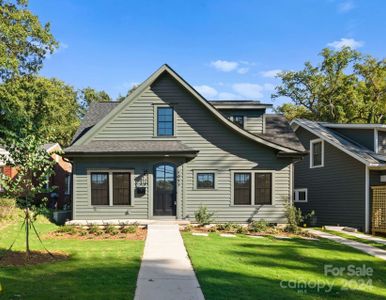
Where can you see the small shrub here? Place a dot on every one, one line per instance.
(110, 229)
(188, 228)
(295, 218)
(93, 229)
(212, 229)
(241, 229)
(82, 232)
(258, 226)
(67, 230)
(129, 229)
(203, 216)
(226, 227)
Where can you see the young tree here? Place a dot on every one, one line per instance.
(345, 87)
(88, 95)
(34, 168)
(24, 41)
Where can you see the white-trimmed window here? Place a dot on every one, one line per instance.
(67, 184)
(316, 153)
(300, 195)
(111, 187)
(252, 187)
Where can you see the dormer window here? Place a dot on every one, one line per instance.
(381, 142)
(238, 120)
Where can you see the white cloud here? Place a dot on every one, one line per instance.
(345, 6)
(270, 73)
(248, 90)
(343, 42)
(224, 65)
(269, 87)
(242, 70)
(206, 90)
(227, 96)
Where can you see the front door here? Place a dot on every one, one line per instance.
(164, 190)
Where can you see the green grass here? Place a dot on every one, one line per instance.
(247, 268)
(354, 238)
(105, 269)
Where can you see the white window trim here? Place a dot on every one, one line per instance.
(312, 142)
(195, 172)
(110, 172)
(296, 198)
(253, 172)
(155, 125)
(67, 188)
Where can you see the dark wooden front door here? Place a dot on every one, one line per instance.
(164, 190)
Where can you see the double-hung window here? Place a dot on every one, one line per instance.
(165, 121)
(252, 188)
(238, 120)
(317, 153)
(111, 188)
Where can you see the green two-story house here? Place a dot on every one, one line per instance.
(165, 150)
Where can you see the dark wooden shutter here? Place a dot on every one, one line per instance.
(242, 189)
(121, 189)
(263, 188)
(100, 188)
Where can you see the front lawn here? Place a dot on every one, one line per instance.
(269, 268)
(357, 239)
(96, 269)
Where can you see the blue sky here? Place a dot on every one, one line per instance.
(226, 49)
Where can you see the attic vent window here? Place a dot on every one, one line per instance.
(165, 122)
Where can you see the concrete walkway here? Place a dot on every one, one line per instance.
(374, 251)
(358, 235)
(166, 272)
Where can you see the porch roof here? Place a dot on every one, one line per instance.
(145, 148)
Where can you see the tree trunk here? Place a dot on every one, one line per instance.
(27, 232)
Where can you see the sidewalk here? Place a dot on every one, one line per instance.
(166, 272)
(358, 235)
(360, 246)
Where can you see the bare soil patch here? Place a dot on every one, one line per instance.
(18, 258)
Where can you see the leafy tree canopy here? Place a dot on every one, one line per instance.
(346, 87)
(24, 41)
(88, 95)
(40, 106)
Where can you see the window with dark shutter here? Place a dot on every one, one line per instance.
(121, 189)
(242, 189)
(100, 188)
(263, 188)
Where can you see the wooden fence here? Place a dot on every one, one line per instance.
(378, 220)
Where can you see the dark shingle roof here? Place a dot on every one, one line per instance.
(338, 140)
(131, 147)
(95, 113)
(279, 131)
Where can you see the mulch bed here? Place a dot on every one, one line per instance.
(18, 258)
(139, 235)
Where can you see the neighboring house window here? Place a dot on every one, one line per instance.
(67, 184)
(121, 188)
(263, 188)
(317, 153)
(238, 120)
(100, 188)
(242, 188)
(301, 195)
(165, 122)
(382, 142)
(205, 180)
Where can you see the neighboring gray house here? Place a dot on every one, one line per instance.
(335, 180)
(165, 151)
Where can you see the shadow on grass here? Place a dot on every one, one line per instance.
(290, 269)
(83, 278)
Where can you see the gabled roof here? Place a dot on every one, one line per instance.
(239, 104)
(85, 132)
(357, 151)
